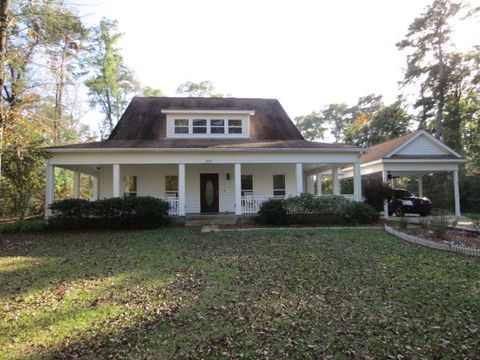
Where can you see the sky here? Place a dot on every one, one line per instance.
(306, 53)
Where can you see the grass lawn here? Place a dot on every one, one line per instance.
(177, 293)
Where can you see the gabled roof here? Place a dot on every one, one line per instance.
(392, 149)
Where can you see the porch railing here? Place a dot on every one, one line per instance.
(251, 204)
(173, 202)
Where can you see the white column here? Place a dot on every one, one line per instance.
(50, 187)
(335, 181)
(310, 185)
(420, 186)
(319, 184)
(76, 184)
(95, 187)
(357, 181)
(456, 192)
(299, 178)
(116, 180)
(181, 190)
(238, 188)
(385, 203)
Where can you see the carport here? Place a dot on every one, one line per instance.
(415, 154)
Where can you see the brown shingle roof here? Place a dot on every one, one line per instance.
(143, 125)
(143, 119)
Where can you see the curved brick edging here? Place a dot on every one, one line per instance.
(432, 244)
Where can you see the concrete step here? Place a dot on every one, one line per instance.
(199, 220)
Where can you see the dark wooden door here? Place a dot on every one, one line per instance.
(209, 193)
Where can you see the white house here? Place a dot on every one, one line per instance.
(205, 155)
(228, 155)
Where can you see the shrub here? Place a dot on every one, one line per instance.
(403, 223)
(126, 213)
(375, 193)
(272, 212)
(324, 205)
(23, 226)
(439, 226)
(360, 213)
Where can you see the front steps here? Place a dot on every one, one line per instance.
(198, 220)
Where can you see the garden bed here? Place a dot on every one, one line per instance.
(456, 237)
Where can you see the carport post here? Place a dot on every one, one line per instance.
(456, 192)
(385, 202)
(420, 186)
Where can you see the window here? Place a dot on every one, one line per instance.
(171, 185)
(247, 185)
(279, 185)
(234, 126)
(217, 126)
(129, 186)
(181, 126)
(199, 126)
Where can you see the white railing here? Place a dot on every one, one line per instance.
(173, 202)
(251, 204)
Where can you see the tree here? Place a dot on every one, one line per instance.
(150, 91)
(336, 116)
(201, 89)
(312, 126)
(376, 122)
(4, 24)
(111, 83)
(429, 63)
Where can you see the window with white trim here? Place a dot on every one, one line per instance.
(199, 126)
(181, 126)
(234, 126)
(129, 186)
(217, 126)
(247, 185)
(279, 185)
(171, 186)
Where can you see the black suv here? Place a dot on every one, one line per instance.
(404, 201)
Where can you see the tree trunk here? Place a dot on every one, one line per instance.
(4, 20)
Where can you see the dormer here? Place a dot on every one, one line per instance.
(208, 123)
(213, 124)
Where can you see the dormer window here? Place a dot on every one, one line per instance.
(199, 126)
(234, 126)
(181, 126)
(208, 123)
(217, 126)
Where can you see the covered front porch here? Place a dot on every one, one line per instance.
(193, 188)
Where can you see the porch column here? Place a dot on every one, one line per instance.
(238, 188)
(181, 189)
(299, 178)
(385, 202)
(310, 185)
(76, 184)
(50, 187)
(335, 181)
(357, 181)
(116, 180)
(420, 186)
(456, 192)
(96, 186)
(319, 184)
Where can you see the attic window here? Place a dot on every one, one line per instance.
(181, 126)
(217, 126)
(199, 126)
(234, 126)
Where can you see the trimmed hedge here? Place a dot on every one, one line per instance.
(116, 213)
(308, 209)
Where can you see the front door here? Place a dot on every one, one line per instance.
(209, 193)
